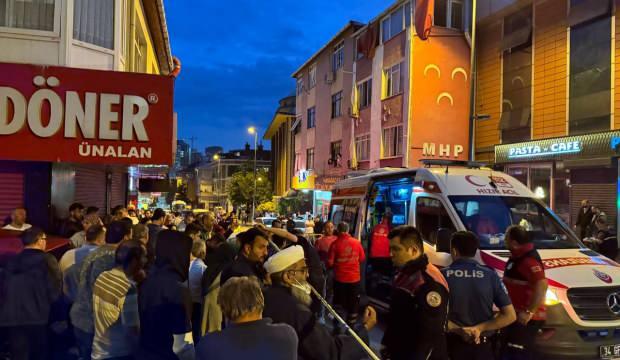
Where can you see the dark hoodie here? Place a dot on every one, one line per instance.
(164, 298)
(31, 283)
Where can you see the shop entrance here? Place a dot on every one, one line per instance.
(549, 183)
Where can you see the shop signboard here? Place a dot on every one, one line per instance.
(304, 180)
(59, 114)
(580, 146)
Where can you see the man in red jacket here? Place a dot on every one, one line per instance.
(345, 256)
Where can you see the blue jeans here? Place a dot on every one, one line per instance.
(84, 342)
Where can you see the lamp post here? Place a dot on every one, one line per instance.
(252, 130)
(218, 179)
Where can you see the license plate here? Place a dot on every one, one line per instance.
(609, 351)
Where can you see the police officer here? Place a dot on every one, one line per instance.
(474, 289)
(415, 328)
(525, 280)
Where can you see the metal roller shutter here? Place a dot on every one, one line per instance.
(119, 187)
(11, 193)
(90, 187)
(602, 196)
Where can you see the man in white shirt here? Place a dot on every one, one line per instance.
(18, 220)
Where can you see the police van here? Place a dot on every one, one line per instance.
(583, 300)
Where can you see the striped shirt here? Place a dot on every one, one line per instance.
(115, 310)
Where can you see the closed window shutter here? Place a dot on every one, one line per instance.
(11, 193)
(600, 195)
(90, 187)
(119, 184)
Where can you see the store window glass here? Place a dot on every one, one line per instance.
(541, 183)
(590, 77)
(519, 173)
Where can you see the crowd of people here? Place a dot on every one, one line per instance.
(151, 286)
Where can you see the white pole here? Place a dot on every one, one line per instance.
(255, 169)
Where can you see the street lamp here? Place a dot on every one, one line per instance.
(252, 130)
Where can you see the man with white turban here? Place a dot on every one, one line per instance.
(287, 301)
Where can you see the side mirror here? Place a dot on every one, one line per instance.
(443, 240)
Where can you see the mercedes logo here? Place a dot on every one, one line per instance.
(613, 302)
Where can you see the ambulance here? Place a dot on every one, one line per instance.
(583, 300)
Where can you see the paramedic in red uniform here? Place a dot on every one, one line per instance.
(525, 280)
(416, 324)
(380, 247)
(345, 256)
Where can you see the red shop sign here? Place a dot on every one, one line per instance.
(50, 113)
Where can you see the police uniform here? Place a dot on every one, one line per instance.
(418, 313)
(474, 289)
(523, 270)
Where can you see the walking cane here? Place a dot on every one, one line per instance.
(366, 348)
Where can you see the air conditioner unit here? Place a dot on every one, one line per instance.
(330, 77)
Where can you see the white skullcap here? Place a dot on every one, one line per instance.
(284, 259)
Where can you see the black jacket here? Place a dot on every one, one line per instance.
(315, 340)
(584, 218)
(418, 313)
(31, 283)
(243, 267)
(165, 303)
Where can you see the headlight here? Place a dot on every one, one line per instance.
(551, 298)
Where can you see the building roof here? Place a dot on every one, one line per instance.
(156, 19)
(285, 110)
(351, 24)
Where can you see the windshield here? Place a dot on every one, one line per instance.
(267, 221)
(490, 216)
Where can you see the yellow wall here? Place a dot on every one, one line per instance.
(550, 70)
(488, 88)
(138, 26)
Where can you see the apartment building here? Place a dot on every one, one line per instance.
(80, 45)
(378, 95)
(547, 79)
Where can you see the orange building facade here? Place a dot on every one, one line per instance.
(546, 83)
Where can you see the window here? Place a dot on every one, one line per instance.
(590, 77)
(393, 81)
(345, 210)
(431, 217)
(515, 122)
(312, 77)
(364, 91)
(28, 14)
(125, 30)
(311, 117)
(309, 159)
(335, 152)
(338, 57)
(139, 56)
(362, 147)
(93, 22)
(490, 216)
(449, 13)
(396, 22)
(392, 141)
(300, 85)
(296, 127)
(337, 105)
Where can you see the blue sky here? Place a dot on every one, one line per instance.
(238, 57)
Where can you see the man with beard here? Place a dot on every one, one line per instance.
(251, 256)
(316, 273)
(288, 300)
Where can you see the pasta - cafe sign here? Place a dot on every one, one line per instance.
(63, 114)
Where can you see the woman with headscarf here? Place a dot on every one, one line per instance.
(165, 301)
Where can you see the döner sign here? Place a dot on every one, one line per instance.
(79, 115)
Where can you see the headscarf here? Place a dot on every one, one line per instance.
(172, 250)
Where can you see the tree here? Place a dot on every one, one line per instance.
(267, 206)
(241, 188)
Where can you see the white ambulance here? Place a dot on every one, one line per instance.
(583, 299)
